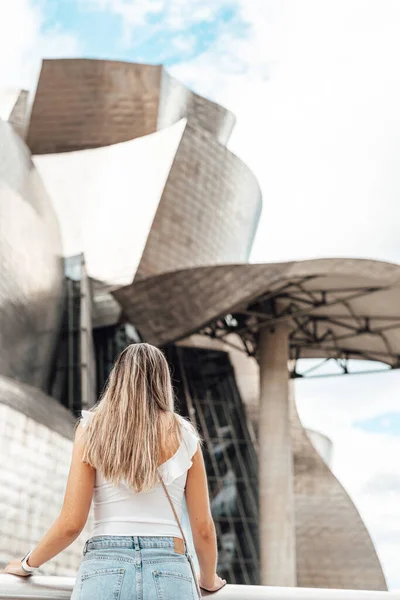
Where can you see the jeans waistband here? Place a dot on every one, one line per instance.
(128, 541)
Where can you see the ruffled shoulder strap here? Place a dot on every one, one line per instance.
(190, 437)
(181, 461)
(86, 417)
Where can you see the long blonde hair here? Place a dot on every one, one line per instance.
(125, 437)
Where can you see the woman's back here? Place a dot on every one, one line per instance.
(134, 444)
(119, 510)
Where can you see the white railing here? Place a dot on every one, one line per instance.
(59, 588)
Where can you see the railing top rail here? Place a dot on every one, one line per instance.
(40, 587)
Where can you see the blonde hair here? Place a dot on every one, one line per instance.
(129, 428)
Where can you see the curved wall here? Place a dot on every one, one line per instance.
(14, 109)
(31, 266)
(177, 101)
(82, 103)
(334, 549)
(208, 212)
(106, 199)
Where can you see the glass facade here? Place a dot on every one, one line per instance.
(205, 387)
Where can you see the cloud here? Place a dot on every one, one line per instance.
(143, 20)
(384, 423)
(383, 483)
(25, 40)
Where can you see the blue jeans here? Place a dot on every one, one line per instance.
(119, 567)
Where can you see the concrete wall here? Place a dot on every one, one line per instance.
(36, 436)
(31, 269)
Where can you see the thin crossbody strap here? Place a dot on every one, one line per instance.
(174, 511)
(191, 563)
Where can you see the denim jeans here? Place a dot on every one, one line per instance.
(119, 567)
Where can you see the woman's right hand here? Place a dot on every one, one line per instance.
(212, 586)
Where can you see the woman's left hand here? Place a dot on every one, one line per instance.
(14, 568)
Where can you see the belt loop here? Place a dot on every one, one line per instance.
(85, 548)
(138, 558)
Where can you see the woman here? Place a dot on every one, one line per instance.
(131, 452)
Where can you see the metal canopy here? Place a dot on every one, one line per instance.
(335, 308)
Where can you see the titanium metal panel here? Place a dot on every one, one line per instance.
(177, 101)
(337, 308)
(30, 266)
(208, 212)
(82, 103)
(334, 549)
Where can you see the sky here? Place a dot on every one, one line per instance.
(315, 86)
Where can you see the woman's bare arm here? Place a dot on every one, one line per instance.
(74, 513)
(201, 522)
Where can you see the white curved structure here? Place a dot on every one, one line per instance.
(106, 199)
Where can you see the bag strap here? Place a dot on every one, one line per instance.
(174, 511)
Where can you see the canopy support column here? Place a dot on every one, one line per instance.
(277, 519)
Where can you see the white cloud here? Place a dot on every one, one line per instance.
(143, 20)
(24, 42)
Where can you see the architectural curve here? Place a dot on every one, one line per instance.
(167, 201)
(334, 548)
(342, 308)
(201, 218)
(177, 101)
(14, 109)
(85, 103)
(32, 272)
(106, 200)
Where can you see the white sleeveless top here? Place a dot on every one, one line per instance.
(118, 510)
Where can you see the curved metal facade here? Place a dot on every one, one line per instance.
(354, 305)
(334, 549)
(82, 103)
(177, 101)
(202, 218)
(31, 266)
